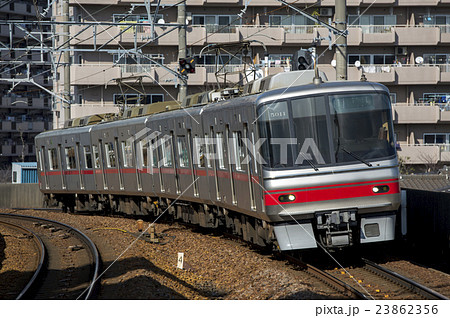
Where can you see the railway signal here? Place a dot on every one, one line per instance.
(187, 65)
(302, 60)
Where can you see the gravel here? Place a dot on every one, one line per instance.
(18, 261)
(214, 267)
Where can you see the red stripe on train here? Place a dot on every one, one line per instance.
(331, 194)
(331, 185)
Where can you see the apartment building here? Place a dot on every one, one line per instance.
(25, 109)
(403, 44)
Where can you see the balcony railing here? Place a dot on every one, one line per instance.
(374, 28)
(215, 28)
(386, 68)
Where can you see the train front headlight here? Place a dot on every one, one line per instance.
(380, 189)
(286, 198)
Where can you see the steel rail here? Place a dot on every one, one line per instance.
(41, 251)
(334, 282)
(403, 281)
(92, 247)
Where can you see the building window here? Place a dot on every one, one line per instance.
(137, 99)
(436, 98)
(434, 139)
(436, 58)
(377, 59)
(217, 23)
(275, 20)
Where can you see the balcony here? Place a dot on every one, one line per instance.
(93, 74)
(417, 35)
(423, 154)
(25, 102)
(417, 74)
(420, 3)
(78, 110)
(416, 114)
(28, 126)
(272, 35)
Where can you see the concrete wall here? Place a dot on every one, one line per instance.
(20, 196)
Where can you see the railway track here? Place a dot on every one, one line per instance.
(72, 260)
(330, 280)
(378, 282)
(39, 259)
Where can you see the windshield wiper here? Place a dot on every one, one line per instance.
(309, 161)
(356, 157)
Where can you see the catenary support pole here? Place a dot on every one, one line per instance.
(66, 61)
(341, 41)
(182, 47)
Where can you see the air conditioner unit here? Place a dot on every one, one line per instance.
(401, 50)
(326, 12)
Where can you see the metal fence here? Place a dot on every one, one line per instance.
(428, 219)
(21, 196)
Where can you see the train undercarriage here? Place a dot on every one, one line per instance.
(252, 230)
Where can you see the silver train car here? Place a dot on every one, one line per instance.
(292, 168)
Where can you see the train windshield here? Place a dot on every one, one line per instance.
(326, 130)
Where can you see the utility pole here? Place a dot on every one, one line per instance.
(66, 61)
(341, 41)
(182, 48)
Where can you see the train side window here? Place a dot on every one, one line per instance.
(154, 153)
(96, 157)
(238, 149)
(254, 152)
(110, 155)
(209, 151)
(144, 152)
(167, 152)
(182, 152)
(127, 154)
(71, 163)
(220, 148)
(41, 159)
(53, 159)
(87, 157)
(200, 146)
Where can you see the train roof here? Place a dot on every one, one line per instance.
(323, 88)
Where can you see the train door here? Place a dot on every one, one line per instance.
(54, 166)
(255, 170)
(223, 169)
(100, 174)
(198, 139)
(170, 183)
(79, 165)
(87, 161)
(71, 162)
(110, 152)
(241, 179)
(126, 159)
(60, 164)
(182, 153)
(43, 168)
(119, 162)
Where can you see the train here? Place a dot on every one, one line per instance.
(282, 162)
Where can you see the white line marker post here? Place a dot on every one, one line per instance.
(180, 260)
